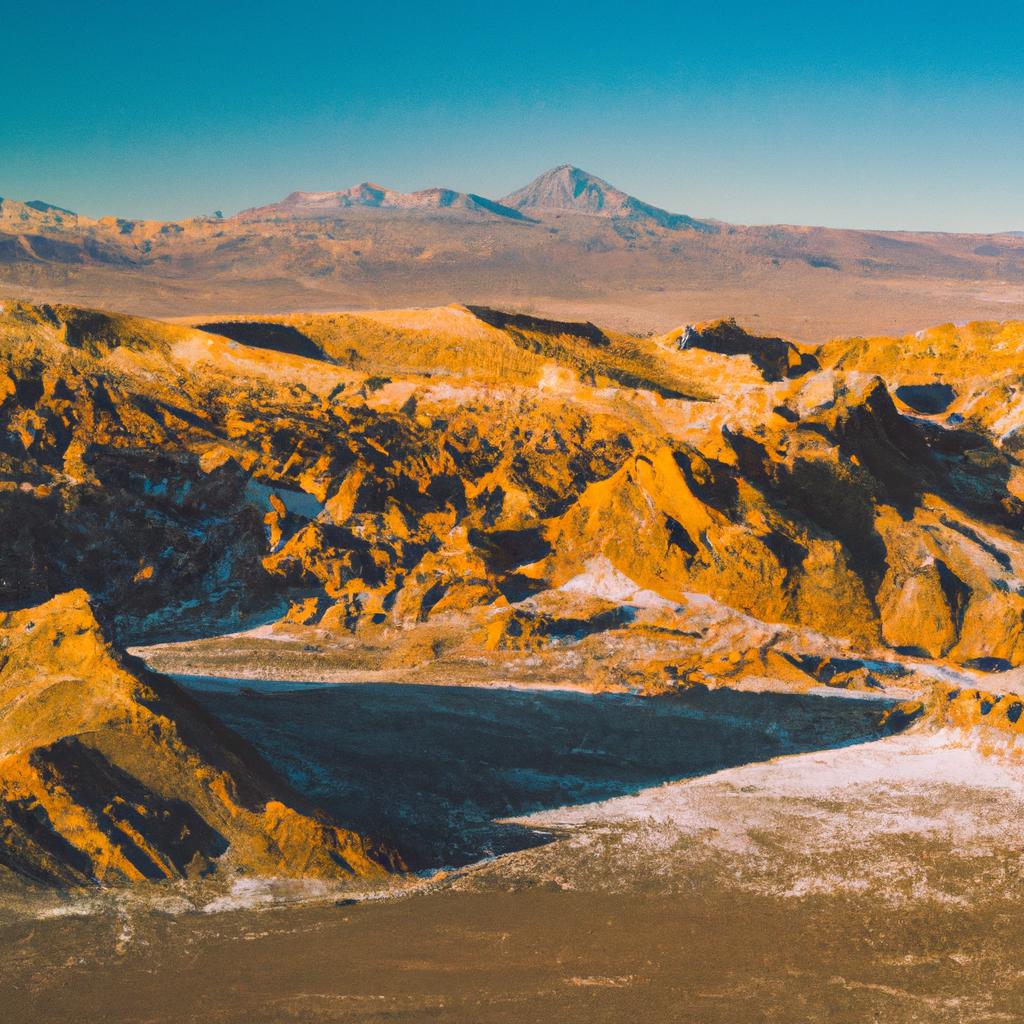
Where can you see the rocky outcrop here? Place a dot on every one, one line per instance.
(775, 358)
(991, 719)
(110, 773)
(448, 479)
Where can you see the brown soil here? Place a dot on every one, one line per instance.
(709, 955)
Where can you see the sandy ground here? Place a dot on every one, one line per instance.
(912, 817)
(875, 881)
(702, 956)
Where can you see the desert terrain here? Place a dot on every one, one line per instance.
(877, 880)
(466, 663)
(567, 246)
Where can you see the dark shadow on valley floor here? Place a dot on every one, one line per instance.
(430, 767)
(273, 336)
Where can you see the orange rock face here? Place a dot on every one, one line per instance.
(109, 773)
(449, 468)
(991, 719)
(490, 492)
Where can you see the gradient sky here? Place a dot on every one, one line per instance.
(897, 114)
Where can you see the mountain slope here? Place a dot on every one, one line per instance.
(303, 205)
(568, 189)
(109, 773)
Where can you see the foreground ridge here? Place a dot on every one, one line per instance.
(110, 773)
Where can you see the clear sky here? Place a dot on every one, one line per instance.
(898, 114)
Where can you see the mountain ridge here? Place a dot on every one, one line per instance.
(562, 246)
(565, 188)
(110, 773)
(370, 195)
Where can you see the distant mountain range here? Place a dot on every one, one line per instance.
(302, 205)
(561, 244)
(564, 189)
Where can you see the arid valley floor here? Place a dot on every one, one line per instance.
(877, 881)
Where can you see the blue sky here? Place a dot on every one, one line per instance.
(901, 115)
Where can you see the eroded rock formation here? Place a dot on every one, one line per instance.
(460, 493)
(462, 480)
(110, 773)
(473, 472)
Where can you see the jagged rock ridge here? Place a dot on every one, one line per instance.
(460, 493)
(110, 773)
(473, 476)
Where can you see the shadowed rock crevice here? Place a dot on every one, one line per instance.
(32, 848)
(505, 550)
(142, 509)
(840, 503)
(523, 322)
(930, 399)
(177, 841)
